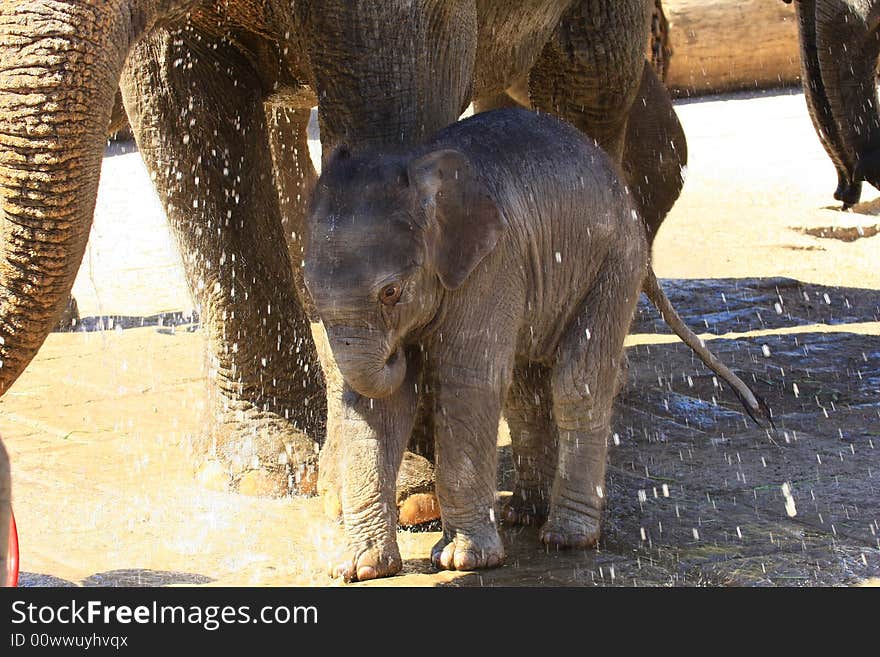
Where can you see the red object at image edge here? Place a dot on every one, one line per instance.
(12, 554)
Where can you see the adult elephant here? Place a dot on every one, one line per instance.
(840, 43)
(218, 93)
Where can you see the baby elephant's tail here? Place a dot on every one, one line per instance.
(753, 404)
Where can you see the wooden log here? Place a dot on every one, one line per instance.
(726, 45)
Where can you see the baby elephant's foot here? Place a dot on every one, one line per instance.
(468, 551)
(568, 532)
(369, 562)
(524, 508)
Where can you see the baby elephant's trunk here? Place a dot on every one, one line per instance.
(753, 404)
(372, 368)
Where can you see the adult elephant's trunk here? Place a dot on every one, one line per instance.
(847, 47)
(60, 62)
(818, 106)
(407, 67)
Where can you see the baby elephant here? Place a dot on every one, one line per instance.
(496, 267)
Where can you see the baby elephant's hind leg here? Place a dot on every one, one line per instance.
(529, 414)
(585, 382)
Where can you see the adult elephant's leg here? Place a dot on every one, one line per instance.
(655, 152)
(590, 70)
(593, 73)
(848, 44)
(294, 180)
(201, 127)
(848, 191)
(118, 119)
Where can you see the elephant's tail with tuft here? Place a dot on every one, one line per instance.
(754, 405)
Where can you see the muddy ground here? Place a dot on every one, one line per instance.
(788, 290)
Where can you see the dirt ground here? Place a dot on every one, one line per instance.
(754, 256)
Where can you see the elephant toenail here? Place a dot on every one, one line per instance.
(366, 572)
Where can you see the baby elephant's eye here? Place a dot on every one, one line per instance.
(390, 294)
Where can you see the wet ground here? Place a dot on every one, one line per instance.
(100, 425)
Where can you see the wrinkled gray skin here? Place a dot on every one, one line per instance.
(218, 97)
(497, 266)
(840, 43)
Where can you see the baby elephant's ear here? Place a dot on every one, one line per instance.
(464, 222)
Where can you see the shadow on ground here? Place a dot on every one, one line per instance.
(698, 494)
(123, 577)
(169, 321)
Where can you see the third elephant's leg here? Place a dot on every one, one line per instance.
(201, 127)
(816, 95)
(529, 413)
(847, 48)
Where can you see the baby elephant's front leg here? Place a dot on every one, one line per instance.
(376, 434)
(467, 434)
